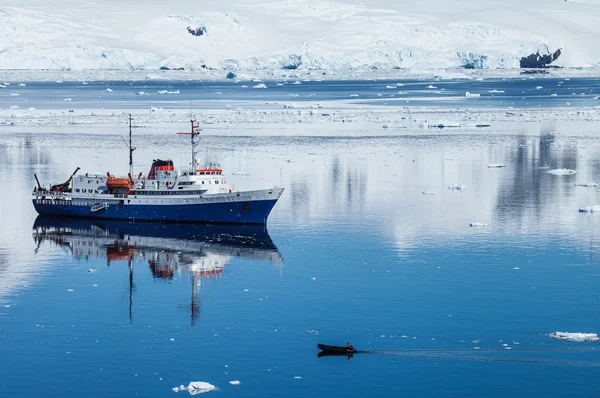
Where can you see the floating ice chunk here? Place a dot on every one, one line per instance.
(279, 84)
(429, 193)
(70, 290)
(553, 95)
(454, 186)
(296, 82)
(261, 85)
(354, 95)
(431, 86)
(586, 184)
(109, 90)
(590, 209)
(14, 107)
(167, 92)
(496, 91)
(59, 81)
(539, 87)
(91, 270)
(234, 382)
(297, 377)
(470, 95)
(244, 86)
(22, 84)
(176, 389)
(576, 337)
(67, 100)
(199, 387)
(14, 94)
(561, 172)
(141, 93)
(495, 165)
(390, 86)
(478, 224)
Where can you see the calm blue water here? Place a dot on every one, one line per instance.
(354, 252)
(527, 92)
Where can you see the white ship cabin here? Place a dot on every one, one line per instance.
(162, 179)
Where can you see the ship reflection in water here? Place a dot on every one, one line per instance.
(201, 250)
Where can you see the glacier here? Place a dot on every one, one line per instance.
(267, 35)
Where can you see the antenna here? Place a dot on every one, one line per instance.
(131, 149)
(194, 133)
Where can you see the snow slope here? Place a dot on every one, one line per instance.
(310, 34)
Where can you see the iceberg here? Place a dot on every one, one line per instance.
(575, 337)
(199, 387)
(260, 85)
(561, 172)
(470, 95)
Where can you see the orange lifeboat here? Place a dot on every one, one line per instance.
(117, 183)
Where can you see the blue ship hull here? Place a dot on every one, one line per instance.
(253, 212)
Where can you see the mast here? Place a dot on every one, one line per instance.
(131, 149)
(195, 132)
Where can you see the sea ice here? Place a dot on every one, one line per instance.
(261, 85)
(495, 165)
(496, 91)
(431, 86)
(141, 93)
(296, 82)
(470, 95)
(235, 382)
(109, 90)
(167, 92)
(561, 172)
(478, 224)
(588, 184)
(576, 337)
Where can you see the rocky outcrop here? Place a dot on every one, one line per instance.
(538, 60)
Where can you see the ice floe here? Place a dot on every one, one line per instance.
(109, 90)
(431, 86)
(141, 93)
(234, 382)
(495, 165)
(261, 85)
(496, 91)
(472, 95)
(478, 224)
(167, 92)
(576, 337)
(297, 82)
(561, 172)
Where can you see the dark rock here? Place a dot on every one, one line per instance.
(535, 72)
(231, 75)
(539, 61)
(199, 31)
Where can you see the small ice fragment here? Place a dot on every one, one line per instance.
(478, 224)
(296, 82)
(141, 93)
(94, 285)
(516, 268)
(538, 87)
(495, 165)
(245, 290)
(429, 193)
(198, 387)
(261, 85)
(176, 389)
(590, 209)
(59, 81)
(313, 278)
(297, 377)
(470, 95)
(576, 337)
(553, 95)
(390, 86)
(454, 186)
(67, 100)
(91, 270)
(14, 94)
(561, 172)
(431, 86)
(496, 91)
(234, 382)
(172, 339)
(22, 84)
(507, 348)
(70, 290)
(354, 95)
(109, 90)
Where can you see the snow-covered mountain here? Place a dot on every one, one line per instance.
(291, 34)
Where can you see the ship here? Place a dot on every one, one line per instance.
(167, 250)
(193, 195)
